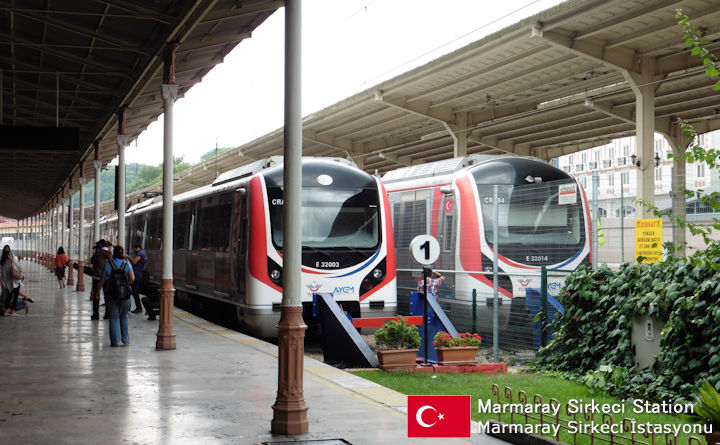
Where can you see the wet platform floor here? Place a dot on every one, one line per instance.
(62, 383)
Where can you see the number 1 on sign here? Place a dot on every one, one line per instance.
(426, 247)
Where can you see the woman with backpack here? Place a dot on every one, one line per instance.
(118, 275)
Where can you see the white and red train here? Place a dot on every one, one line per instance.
(228, 240)
(543, 220)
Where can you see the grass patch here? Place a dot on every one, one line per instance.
(479, 387)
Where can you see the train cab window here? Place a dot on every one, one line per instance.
(333, 218)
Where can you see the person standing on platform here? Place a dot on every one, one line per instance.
(118, 305)
(434, 281)
(138, 263)
(61, 261)
(99, 260)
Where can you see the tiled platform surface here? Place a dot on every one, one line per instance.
(62, 383)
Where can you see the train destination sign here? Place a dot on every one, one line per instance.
(567, 194)
(649, 239)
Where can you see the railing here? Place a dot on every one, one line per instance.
(600, 428)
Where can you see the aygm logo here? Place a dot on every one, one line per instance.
(438, 416)
(344, 290)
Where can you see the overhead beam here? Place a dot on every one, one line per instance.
(588, 49)
(420, 108)
(243, 10)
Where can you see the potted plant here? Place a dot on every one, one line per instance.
(458, 350)
(397, 344)
(707, 410)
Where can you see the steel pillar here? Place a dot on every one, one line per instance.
(290, 410)
(166, 334)
(81, 238)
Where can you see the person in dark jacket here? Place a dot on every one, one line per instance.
(98, 261)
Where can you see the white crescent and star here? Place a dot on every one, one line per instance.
(418, 416)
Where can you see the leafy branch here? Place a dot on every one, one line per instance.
(694, 39)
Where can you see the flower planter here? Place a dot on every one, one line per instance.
(457, 356)
(397, 358)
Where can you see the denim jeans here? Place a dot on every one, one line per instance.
(118, 310)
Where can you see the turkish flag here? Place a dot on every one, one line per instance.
(438, 416)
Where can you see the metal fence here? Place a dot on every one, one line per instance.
(471, 308)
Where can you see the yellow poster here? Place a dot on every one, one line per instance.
(649, 239)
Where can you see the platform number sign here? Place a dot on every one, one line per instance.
(425, 249)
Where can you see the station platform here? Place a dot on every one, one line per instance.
(64, 384)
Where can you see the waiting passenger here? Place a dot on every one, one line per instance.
(98, 261)
(118, 305)
(151, 303)
(10, 280)
(61, 260)
(138, 262)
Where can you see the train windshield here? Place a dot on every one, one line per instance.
(538, 224)
(333, 218)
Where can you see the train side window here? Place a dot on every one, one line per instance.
(153, 230)
(221, 238)
(419, 221)
(449, 229)
(406, 226)
(180, 232)
(206, 229)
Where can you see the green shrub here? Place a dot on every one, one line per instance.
(397, 335)
(595, 329)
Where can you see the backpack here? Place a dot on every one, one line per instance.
(118, 287)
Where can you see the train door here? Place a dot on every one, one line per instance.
(447, 222)
(181, 243)
(241, 242)
(220, 241)
(190, 275)
(203, 253)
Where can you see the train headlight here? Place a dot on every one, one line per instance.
(373, 278)
(377, 274)
(275, 275)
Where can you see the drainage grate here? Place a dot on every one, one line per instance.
(312, 442)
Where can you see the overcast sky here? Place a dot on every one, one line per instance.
(348, 46)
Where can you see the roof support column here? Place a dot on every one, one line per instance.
(81, 232)
(48, 226)
(122, 142)
(460, 133)
(36, 241)
(71, 224)
(679, 143)
(97, 163)
(62, 219)
(644, 89)
(33, 227)
(290, 410)
(168, 89)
